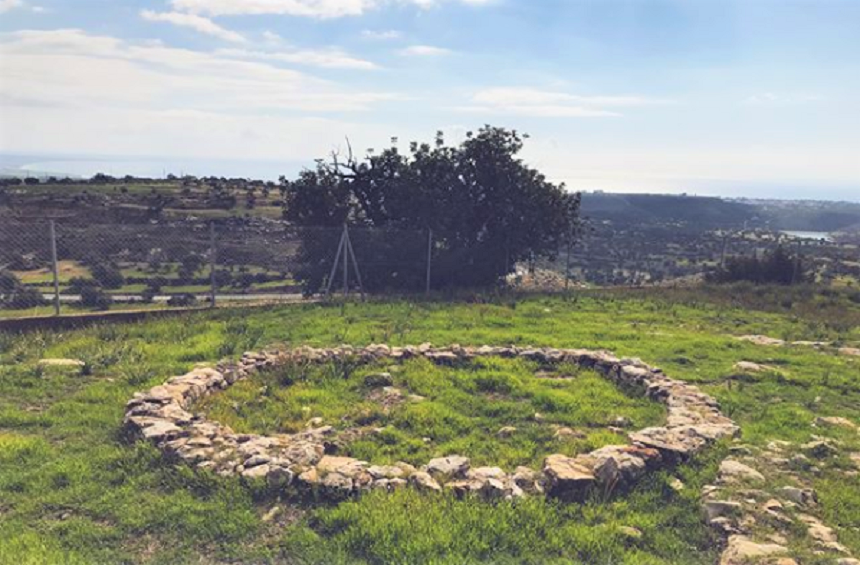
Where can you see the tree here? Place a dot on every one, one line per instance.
(8, 282)
(14, 294)
(189, 265)
(775, 267)
(92, 294)
(487, 209)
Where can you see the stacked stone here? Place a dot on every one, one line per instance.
(305, 460)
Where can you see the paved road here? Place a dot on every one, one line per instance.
(72, 298)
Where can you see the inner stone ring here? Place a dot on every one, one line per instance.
(305, 461)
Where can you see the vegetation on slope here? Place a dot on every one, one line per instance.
(72, 490)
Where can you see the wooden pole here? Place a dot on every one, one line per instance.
(55, 268)
(346, 262)
(213, 260)
(334, 265)
(567, 266)
(351, 251)
(429, 260)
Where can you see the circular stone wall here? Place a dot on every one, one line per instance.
(304, 461)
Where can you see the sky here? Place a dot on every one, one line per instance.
(755, 98)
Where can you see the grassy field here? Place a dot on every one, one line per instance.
(440, 411)
(73, 490)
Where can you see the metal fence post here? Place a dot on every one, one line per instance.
(346, 262)
(55, 267)
(429, 260)
(212, 263)
(567, 264)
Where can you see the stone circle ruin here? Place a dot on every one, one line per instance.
(307, 462)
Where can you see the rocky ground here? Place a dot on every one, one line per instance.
(764, 506)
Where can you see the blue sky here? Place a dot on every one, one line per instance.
(748, 97)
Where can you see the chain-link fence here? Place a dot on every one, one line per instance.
(50, 267)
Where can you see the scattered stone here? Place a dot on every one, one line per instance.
(566, 477)
(817, 530)
(741, 550)
(568, 433)
(819, 449)
(424, 481)
(805, 497)
(70, 364)
(337, 483)
(314, 422)
(378, 380)
(386, 472)
(506, 431)
(258, 472)
(272, 514)
(800, 462)
(762, 340)
(732, 471)
(448, 467)
(721, 509)
(621, 422)
(527, 480)
(676, 484)
(837, 421)
(630, 532)
(855, 351)
(750, 367)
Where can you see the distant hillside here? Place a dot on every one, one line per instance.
(694, 212)
(810, 215)
(700, 213)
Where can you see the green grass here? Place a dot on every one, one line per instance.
(460, 410)
(72, 490)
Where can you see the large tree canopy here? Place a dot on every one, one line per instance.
(487, 209)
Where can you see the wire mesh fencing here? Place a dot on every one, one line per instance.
(48, 267)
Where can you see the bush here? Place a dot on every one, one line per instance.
(24, 297)
(776, 267)
(15, 295)
(182, 300)
(8, 282)
(95, 297)
(107, 275)
(92, 294)
(148, 295)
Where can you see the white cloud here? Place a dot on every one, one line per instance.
(55, 97)
(382, 35)
(772, 99)
(331, 58)
(305, 8)
(6, 5)
(272, 37)
(533, 102)
(424, 51)
(195, 22)
(68, 67)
